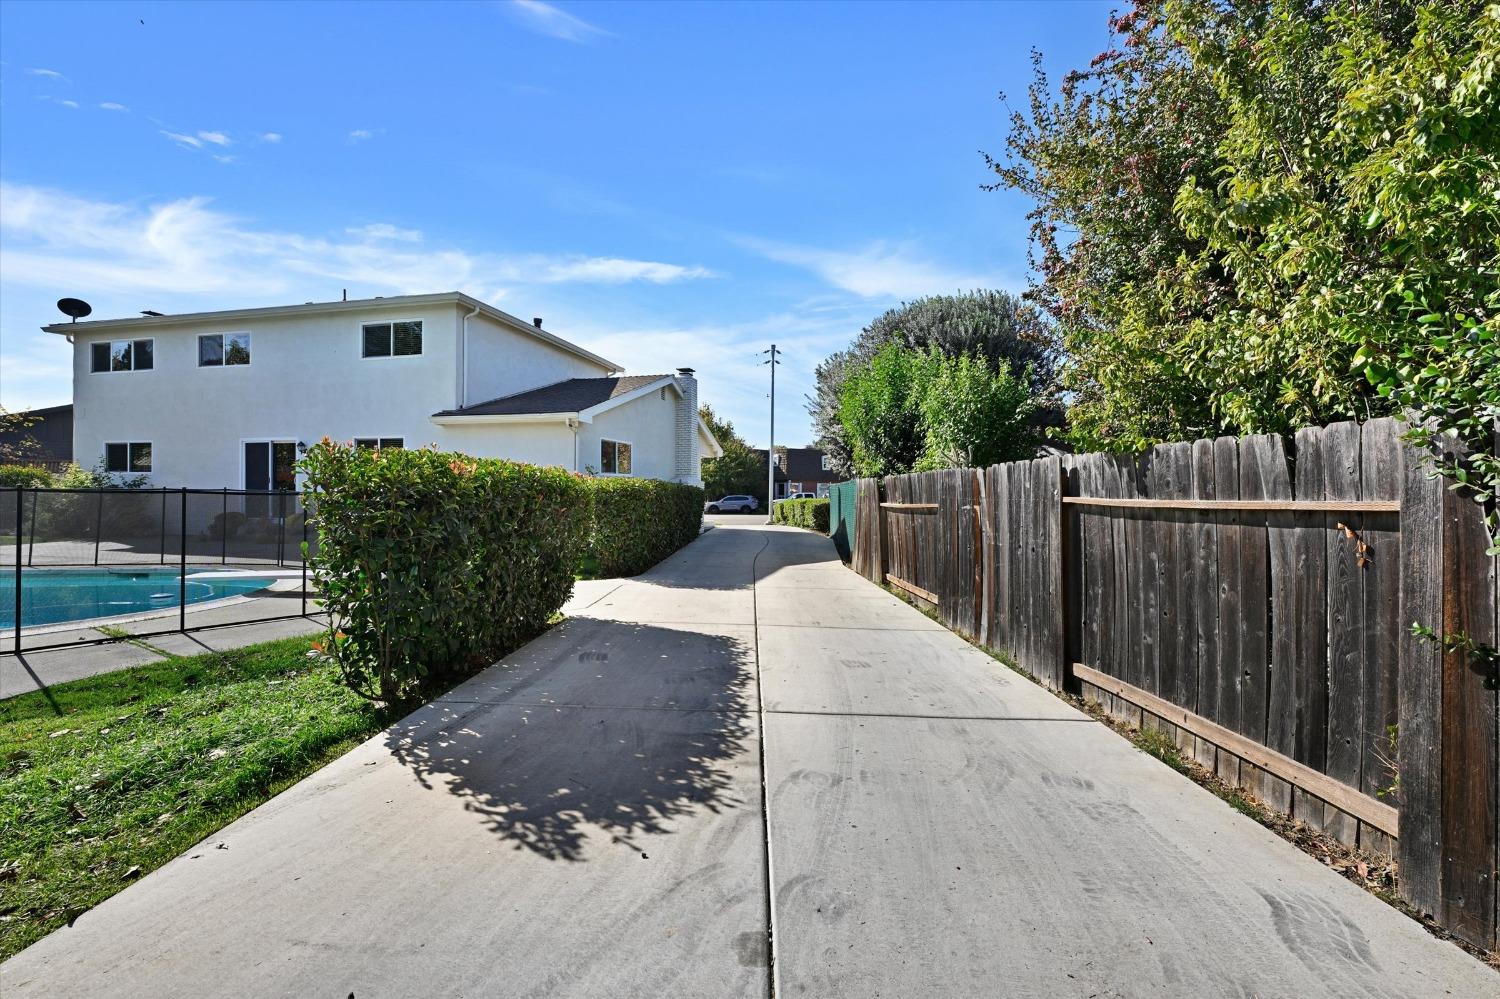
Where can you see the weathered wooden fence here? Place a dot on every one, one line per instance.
(1254, 602)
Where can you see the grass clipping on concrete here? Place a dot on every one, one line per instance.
(102, 780)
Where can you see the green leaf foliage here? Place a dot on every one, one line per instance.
(739, 471)
(434, 564)
(995, 326)
(1252, 217)
(24, 476)
(639, 522)
(811, 514)
(906, 410)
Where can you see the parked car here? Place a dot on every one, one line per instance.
(732, 504)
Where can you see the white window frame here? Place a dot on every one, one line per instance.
(824, 490)
(222, 347)
(823, 459)
(611, 440)
(359, 333)
(104, 453)
(377, 438)
(132, 340)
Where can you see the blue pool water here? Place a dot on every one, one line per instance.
(52, 596)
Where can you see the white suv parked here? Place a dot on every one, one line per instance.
(732, 504)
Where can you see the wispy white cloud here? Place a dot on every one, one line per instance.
(384, 230)
(185, 251)
(271, 137)
(879, 270)
(545, 19)
(224, 158)
(113, 106)
(217, 138)
(361, 134)
(51, 74)
(65, 102)
(184, 140)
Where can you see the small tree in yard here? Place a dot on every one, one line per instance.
(994, 327)
(907, 410)
(739, 471)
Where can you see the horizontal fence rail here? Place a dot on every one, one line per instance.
(1251, 597)
(96, 565)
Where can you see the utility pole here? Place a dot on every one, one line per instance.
(771, 446)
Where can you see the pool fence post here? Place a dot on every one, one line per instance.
(164, 526)
(31, 548)
(182, 566)
(304, 559)
(18, 569)
(98, 526)
(224, 530)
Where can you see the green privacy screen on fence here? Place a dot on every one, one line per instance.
(841, 516)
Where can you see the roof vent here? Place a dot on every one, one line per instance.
(150, 312)
(536, 321)
(685, 372)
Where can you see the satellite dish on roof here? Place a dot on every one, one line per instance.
(75, 307)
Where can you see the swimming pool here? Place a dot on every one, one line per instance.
(54, 596)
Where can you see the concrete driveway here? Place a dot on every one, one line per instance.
(587, 818)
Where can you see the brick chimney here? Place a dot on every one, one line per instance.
(688, 449)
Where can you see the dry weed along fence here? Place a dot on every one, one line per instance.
(1255, 602)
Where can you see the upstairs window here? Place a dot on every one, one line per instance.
(614, 458)
(380, 443)
(403, 339)
(122, 355)
(216, 350)
(824, 459)
(130, 458)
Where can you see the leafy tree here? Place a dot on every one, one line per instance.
(17, 444)
(1260, 215)
(740, 470)
(994, 326)
(909, 410)
(973, 416)
(880, 410)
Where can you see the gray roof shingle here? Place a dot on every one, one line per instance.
(571, 396)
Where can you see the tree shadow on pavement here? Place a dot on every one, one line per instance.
(607, 740)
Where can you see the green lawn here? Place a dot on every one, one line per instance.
(105, 779)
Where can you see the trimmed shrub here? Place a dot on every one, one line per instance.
(639, 522)
(434, 565)
(809, 513)
(25, 476)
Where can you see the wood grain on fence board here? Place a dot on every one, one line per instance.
(1420, 689)
(1380, 479)
(1344, 618)
(1468, 727)
(1203, 534)
(1309, 661)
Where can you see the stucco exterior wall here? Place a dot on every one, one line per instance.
(537, 443)
(648, 424)
(306, 379)
(503, 362)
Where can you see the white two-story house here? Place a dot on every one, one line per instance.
(226, 399)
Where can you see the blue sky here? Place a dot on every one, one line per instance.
(668, 184)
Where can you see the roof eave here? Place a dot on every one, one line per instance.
(471, 419)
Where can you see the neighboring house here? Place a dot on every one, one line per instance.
(47, 438)
(803, 470)
(227, 399)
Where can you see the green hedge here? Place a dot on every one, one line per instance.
(639, 522)
(434, 564)
(809, 513)
(25, 476)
